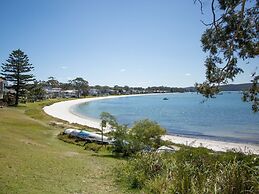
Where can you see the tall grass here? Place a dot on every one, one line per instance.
(191, 171)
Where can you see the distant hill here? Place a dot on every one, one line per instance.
(229, 87)
(235, 87)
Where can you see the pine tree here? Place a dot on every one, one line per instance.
(17, 70)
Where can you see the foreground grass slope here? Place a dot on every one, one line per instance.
(33, 160)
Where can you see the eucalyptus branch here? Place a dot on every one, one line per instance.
(230, 36)
(241, 18)
(201, 5)
(212, 23)
(214, 15)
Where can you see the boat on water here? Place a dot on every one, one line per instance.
(165, 98)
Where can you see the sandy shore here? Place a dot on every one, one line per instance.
(63, 111)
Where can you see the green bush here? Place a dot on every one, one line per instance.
(142, 168)
(144, 134)
(192, 171)
(93, 147)
(121, 141)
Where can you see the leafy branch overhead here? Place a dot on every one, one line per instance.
(232, 36)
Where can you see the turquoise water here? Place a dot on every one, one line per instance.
(223, 118)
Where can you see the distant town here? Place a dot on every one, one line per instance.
(52, 88)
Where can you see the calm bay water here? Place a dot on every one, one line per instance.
(224, 118)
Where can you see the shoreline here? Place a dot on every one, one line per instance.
(63, 111)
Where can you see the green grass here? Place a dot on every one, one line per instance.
(33, 160)
(191, 171)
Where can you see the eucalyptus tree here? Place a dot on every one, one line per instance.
(53, 82)
(231, 37)
(80, 85)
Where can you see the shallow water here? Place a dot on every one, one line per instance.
(224, 118)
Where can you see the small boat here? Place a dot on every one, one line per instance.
(165, 98)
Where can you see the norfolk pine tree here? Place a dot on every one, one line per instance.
(17, 71)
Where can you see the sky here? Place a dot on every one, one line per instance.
(110, 42)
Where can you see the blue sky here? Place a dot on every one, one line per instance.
(109, 42)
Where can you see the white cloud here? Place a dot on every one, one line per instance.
(63, 67)
(122, 70)
(187, 74)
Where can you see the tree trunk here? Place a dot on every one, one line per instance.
(17, 90)
(102, 135)
(16, 97)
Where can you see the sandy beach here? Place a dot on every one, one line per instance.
(63, 111)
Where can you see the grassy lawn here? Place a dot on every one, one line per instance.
(33, 160)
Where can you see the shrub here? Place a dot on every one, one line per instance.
(146, 133)
(236, 176)
(192, 171)
(121, 141)
(93, 147)
(142, 168)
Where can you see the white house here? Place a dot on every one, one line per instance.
(69, 93)
(53, 92)
(94, 92)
